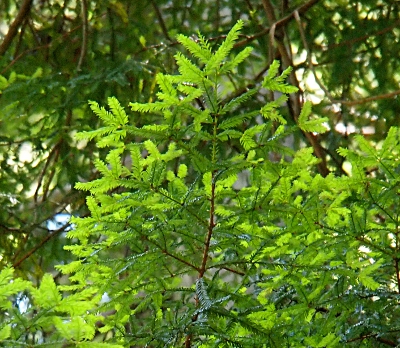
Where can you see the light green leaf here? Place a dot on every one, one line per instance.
(47, 296)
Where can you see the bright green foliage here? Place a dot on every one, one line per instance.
(41, 316)
(189, 245)
(245, 247)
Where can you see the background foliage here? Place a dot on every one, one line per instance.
(57, 55)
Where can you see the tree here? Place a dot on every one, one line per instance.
(309, 212)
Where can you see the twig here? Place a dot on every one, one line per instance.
(379, 339)
(321, 85)
(309, 56)
(247, 38)
(396, 266)
(295, 105)
(166, 252)
(84, 35)
(54, 151)
(41, 243)
(234, 271)
(282, 22)
(362, 38)
(37, 48)
(211, 226)
(161, 20)
(207, 242)
(112, 34)
(13, 29)
(367, 100)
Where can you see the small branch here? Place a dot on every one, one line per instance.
(362, 38)
(295, 104)
(396, 266)
(13, 29)
(234, 271)
(321, 85)
(84, 35)
(161, 20)
(309, 56)
(166, 252)
(211, 226)
(41, 243)
(379, 339)
(207, 242)
(248, 38)
(367, 100)
(282, 22)
(20, 36)
(54, 151)
(112, 34)
(37, 48)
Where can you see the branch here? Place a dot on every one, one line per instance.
(211, 226)
(379, 339)
(41, 243)
(282, 22)
(309, 56)
(248, 38)
(207, 242)
(166, 252)
(367, 100)
(295, 104)
(160, 20)
(55, 151)
(37, 48)
(84, 35)
(396, 266)
(362, 38)
(321, 85)
(13, 29)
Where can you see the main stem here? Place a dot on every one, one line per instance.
(211, 225)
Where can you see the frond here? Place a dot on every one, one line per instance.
(202, 51)
(234, 121)
(224, 49)
(236, 102)
(239, 58)
(190, 71)
(118, 111)
(313, 125)
(277, 83)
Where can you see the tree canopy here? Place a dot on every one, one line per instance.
(199, 173)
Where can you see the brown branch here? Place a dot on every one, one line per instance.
(367, 100)
(287, 62)
(309, 55)
(166, 252)
(161, 20)
(234, 271)
(37, 48)
(280, 23)
(84, 35)
(247, 38)
(40, 244)
(54, 151)
(379, 339)
(396, 266)
(207, 242)
(321, 85)
(211, 226)
(13, 29)
(362, 38)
